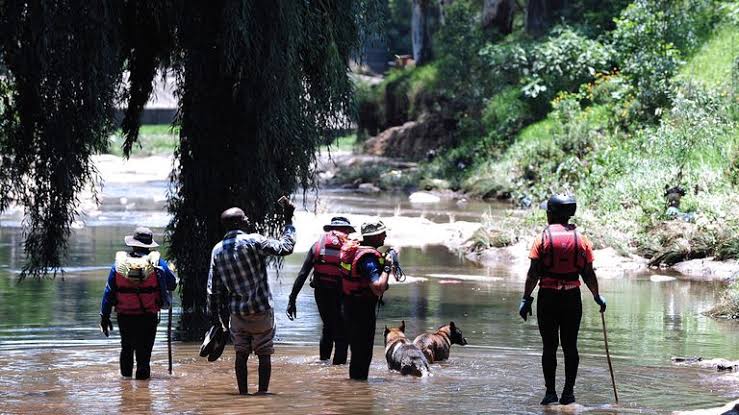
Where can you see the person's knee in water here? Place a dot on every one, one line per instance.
(139, 285)
(559, 257)
(237, 280)
(365, 273)
(323, 259)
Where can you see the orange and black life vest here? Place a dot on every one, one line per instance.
(353, 283)
(327, 258)
(562, 257)
(137, 285)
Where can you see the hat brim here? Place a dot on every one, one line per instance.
(377, 232)
(130, 241)
(327, 228)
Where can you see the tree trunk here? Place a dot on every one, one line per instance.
(540, 15)
(498, 14)
(537, 19)
(442, 5)
(420, 31)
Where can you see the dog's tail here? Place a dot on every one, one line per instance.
(414, 363)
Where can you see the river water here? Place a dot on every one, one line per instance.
(53, 360)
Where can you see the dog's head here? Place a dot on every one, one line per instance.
(455, 334)
(394, 333)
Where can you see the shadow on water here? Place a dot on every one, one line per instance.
(53, 360)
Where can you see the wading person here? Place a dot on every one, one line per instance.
(238, 277)
(139, 285)
(365, 279)
(559, 257)
(324, 259)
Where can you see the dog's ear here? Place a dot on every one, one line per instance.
(387, 330)
(452, 327)
(402, 326)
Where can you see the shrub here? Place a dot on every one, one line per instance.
(651, 38)
(504, 115)
(564, 62)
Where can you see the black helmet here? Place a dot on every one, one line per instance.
(562, 205)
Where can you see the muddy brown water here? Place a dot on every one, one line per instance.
(53, 360)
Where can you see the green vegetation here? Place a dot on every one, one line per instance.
(153, 140)
(615, 113)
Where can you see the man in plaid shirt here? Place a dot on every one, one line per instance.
(238, 277)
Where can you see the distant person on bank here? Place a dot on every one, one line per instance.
(324, 260)
(139, 285)
(559, 257)
(238, 277)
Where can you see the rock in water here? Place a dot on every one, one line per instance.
(423, 197)
(368, 188)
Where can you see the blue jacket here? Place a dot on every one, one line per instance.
(166, 280)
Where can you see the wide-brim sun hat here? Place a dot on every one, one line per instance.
(339, 222)
(142, 238)
(373, 227)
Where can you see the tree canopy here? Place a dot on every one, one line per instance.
(261, 86)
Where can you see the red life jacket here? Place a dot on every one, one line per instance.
(353, 283)
(137, 285)
(327, 258)
(562, 258)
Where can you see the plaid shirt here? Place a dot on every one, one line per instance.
(238, 271)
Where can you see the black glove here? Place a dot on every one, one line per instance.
(106, 326)
(292, 311)
(524, 309)
(601, 302)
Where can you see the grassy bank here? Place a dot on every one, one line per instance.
(153, 140)
(157, 140)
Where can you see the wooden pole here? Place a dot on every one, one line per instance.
(608, 355)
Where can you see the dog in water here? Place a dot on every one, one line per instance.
(436, 346)
(402, 355)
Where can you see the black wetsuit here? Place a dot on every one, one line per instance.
(328, 299)
(559, 313)
(137, 337)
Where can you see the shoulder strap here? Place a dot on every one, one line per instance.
(550, 252)
(577, 247)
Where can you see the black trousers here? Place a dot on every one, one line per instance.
(360, 316)
(137, 337)
(559, 313)
(328, 300)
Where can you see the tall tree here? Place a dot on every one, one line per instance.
(420, 33)
(261, 86)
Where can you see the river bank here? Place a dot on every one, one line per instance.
(611, 261)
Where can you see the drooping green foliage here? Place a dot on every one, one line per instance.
(63, 75)
(261, 84)
(261, 90)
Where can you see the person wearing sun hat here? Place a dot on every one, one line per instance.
(139, 285)
(365, 273)
(323, 259)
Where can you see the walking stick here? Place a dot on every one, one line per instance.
(169, 338)
(608, 355)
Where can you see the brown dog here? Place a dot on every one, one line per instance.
(402, 355)
(436, 346)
